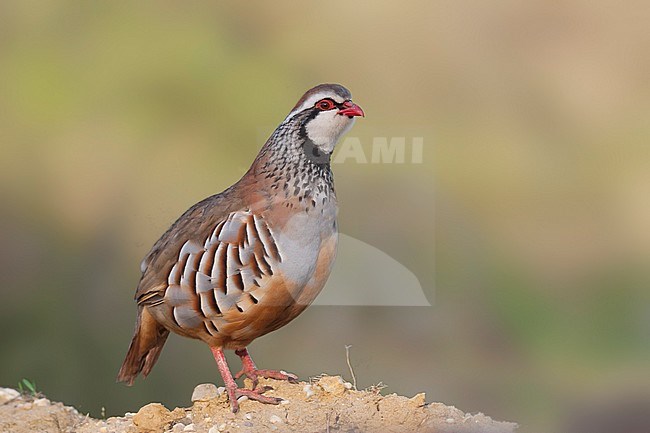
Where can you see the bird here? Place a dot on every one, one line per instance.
(247, 261)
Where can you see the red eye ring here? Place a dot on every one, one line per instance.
(325, 104)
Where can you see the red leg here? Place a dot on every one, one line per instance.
(253, 373)
(231, 387)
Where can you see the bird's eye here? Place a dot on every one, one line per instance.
(325, 104)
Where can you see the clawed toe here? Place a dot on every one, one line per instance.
(252, 394)
(254, 375)
(278, 375)
(256, 394)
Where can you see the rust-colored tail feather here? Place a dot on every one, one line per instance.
(146, 345)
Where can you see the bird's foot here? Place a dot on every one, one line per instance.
(253, 373)
(256, 394)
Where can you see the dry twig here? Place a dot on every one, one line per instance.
(347, 358)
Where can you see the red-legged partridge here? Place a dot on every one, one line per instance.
(247, 261)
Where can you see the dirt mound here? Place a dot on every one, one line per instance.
(327, 404)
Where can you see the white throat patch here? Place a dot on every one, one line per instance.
(327, 128)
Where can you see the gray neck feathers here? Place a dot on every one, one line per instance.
(292, 165)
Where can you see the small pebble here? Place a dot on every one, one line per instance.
(348, 385)
(308, 390)
(242, 398)
(189, 427)
(222, 427)
(419, 399)
(275, 419)
(7, 394)
(178, 427)
(248, 416)
(284, 401)
(450, 420)
(205, 392)
(41, 402)
(333, 385)
(221, 390)
(152, 417)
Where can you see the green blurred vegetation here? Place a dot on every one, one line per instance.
(528, 223)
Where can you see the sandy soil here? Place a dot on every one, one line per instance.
(326, 404)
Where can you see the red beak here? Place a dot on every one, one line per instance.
(351, 109)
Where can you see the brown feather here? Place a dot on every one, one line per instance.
(144, 350)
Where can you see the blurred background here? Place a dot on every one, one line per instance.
(527, 224)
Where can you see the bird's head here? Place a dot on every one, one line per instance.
(324, 114)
